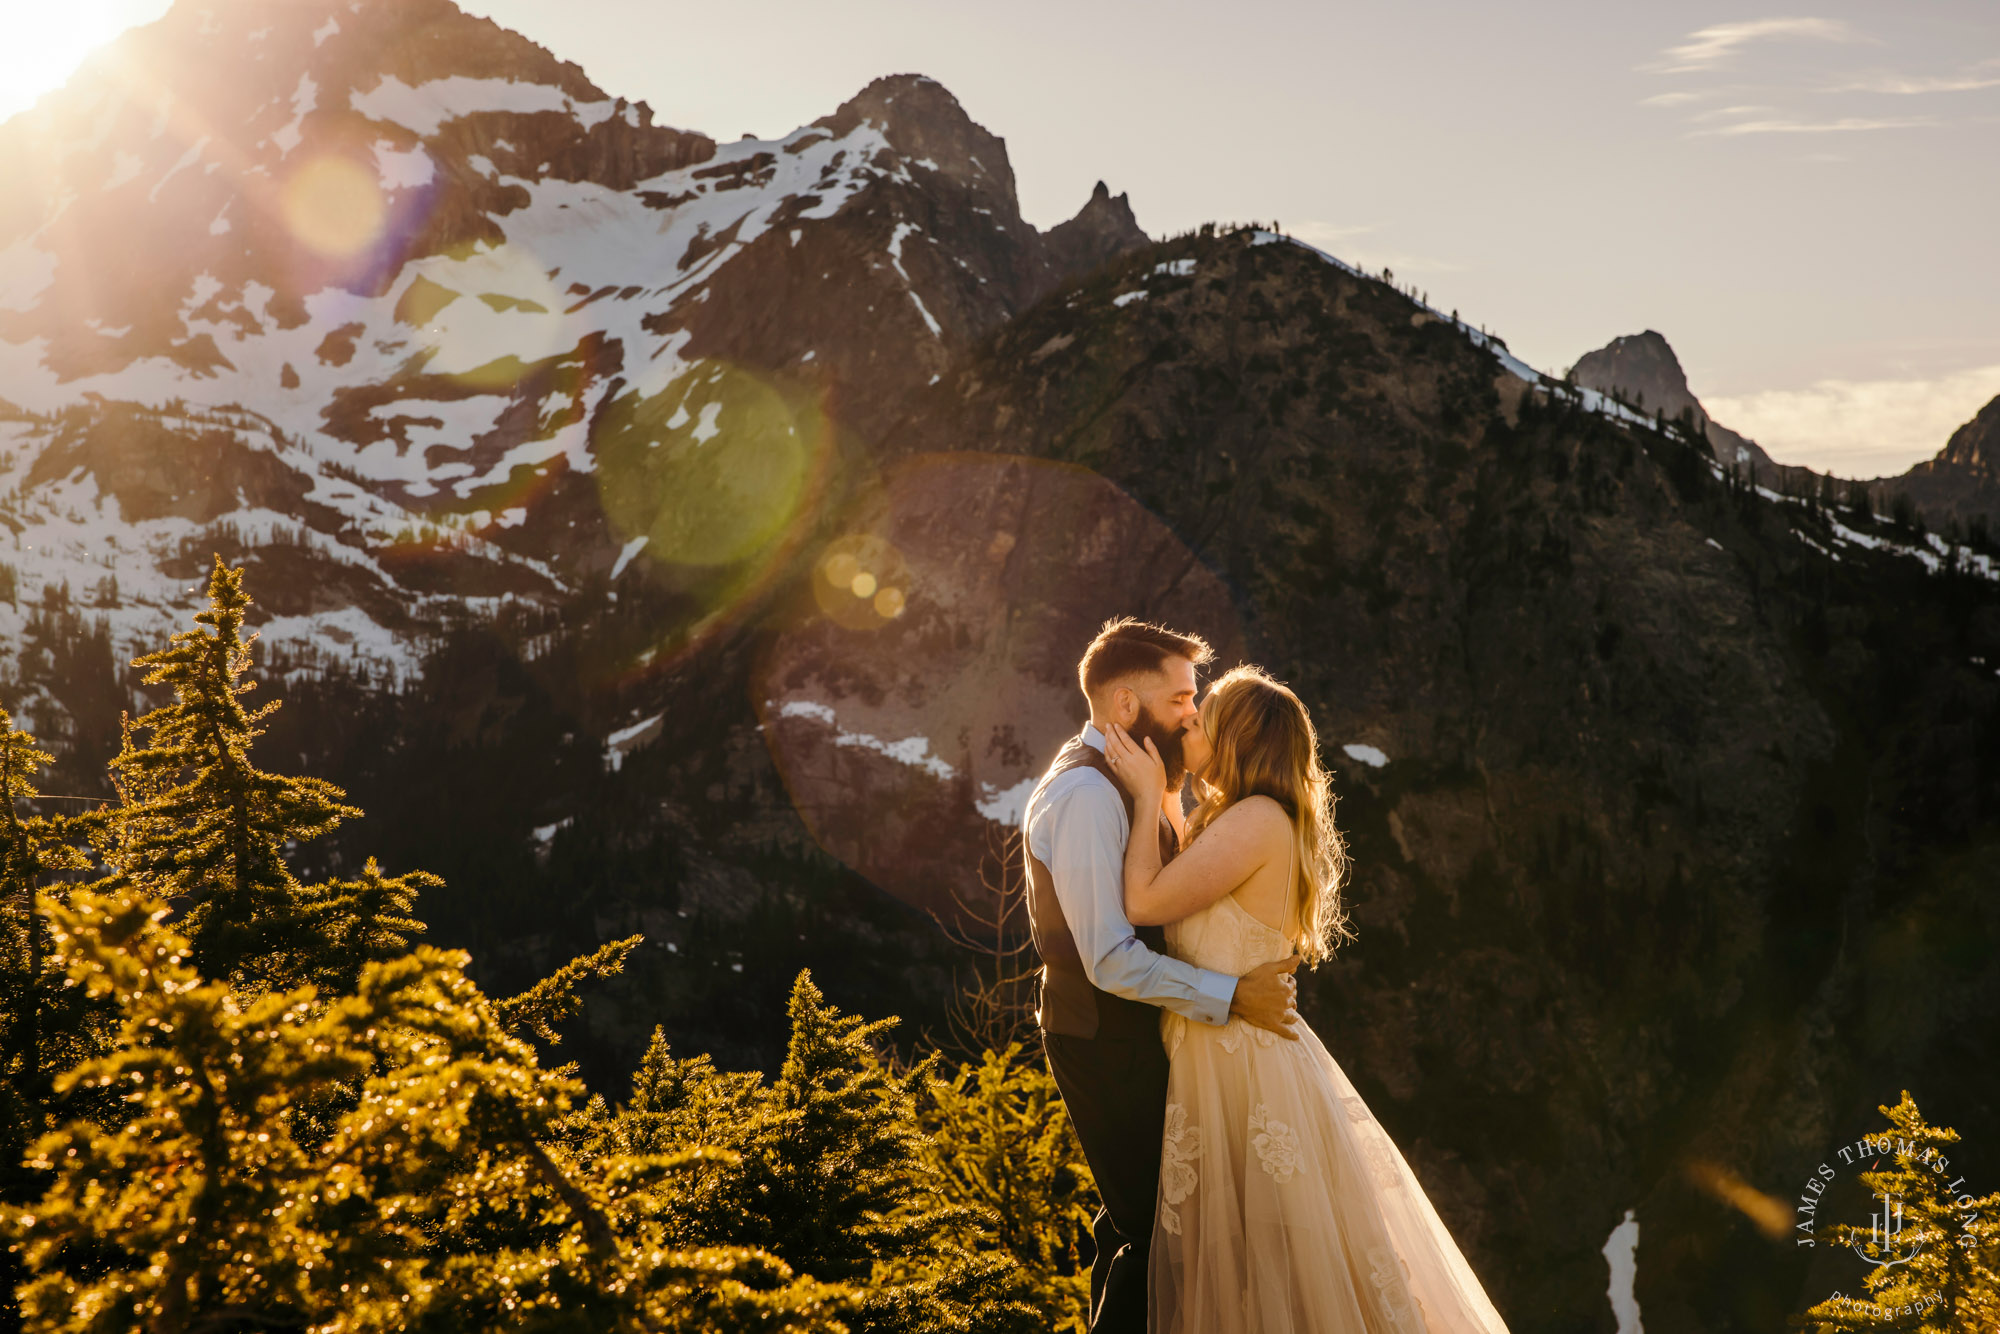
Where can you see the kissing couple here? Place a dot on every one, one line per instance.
(1246, 1187)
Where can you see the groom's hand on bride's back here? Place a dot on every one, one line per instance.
(1267, 996)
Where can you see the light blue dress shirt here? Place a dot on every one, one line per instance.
(1077, 826)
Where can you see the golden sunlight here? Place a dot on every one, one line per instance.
(42, 44)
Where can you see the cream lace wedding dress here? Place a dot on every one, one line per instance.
(1284, 1207)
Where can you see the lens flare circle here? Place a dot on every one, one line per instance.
(711, 470)
(334, 207)
(910, 725)
(861, 581)
(723, 473)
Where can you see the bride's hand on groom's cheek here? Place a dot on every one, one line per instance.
(1140, 770)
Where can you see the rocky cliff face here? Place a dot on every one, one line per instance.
(1962, 483)
(1643, 370)
(691, 538)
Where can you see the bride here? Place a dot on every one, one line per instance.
(1284, 1207)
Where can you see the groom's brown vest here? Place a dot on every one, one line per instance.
(1070, 1005)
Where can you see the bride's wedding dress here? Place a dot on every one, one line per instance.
(1284, 1207)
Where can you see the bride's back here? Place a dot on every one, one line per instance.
(1225, 938)
(1241, 929)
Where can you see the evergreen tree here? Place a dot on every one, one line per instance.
(359, 922)
(826, 1168)
(1951, 1285)
(203, 1211)
(23, 846)
(1001, 1140)
(208, 830)
(1903, 512)
(42, 1028)
(678, 1102)
(552, 1000)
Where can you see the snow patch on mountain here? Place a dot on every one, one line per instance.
(896, 257)
(402, 170)
(914, 751)
(424, 109)
(1372, 756)
(304, 99)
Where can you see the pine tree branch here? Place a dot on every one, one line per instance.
(553, 999)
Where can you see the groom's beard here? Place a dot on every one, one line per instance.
(1166, 741)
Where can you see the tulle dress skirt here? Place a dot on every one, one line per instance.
(1284, 1207)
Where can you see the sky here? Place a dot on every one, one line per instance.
(1803, 200)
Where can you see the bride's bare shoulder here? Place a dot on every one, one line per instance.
(1259, 816)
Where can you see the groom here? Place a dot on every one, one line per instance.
(1101, 980)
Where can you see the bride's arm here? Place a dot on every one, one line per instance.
(1229, 851)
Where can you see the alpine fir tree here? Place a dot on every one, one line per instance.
(208, 829)
(358, 922)
(550, 1001)
(43, 1028)
(1951, 1284)
(1001, 1141)
(438, 1202)
(21, 854)
(825, 1167)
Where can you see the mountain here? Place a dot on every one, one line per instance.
(1642, 370)
(654, 534)
(406, 293)
(1962, 484)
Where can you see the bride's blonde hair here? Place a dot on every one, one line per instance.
(1264, 745)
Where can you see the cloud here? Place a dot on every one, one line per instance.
(1821, 126)
(1712, 47)
(1859, 428)
(1714, 113)
(1670, 99)
(1899, 85)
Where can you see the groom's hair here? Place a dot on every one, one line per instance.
(1126, 646)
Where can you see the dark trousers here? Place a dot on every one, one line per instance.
(1115, 1090)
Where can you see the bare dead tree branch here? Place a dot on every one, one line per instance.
(995, 1003)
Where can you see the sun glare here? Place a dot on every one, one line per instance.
(41, 43)
(334, 206)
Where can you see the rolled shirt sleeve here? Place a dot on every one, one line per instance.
(1079, 833)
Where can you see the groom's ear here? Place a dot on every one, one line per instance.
(1124, 705)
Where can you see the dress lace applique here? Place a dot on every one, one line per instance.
(1179, 1148)
(1232, 1036)
(1277, 1145)
(1382, 1159)
(1385, 1272)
